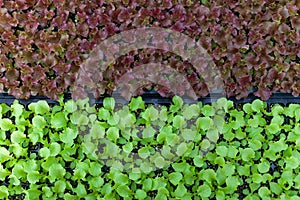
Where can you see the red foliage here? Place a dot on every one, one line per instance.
(255, 44)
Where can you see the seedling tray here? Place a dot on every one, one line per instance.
(152, 97)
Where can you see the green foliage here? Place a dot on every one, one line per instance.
(40, 107)
(109, 103)
(4, 193)
(58, 120)
(204, 191)
(137, 103)
(150, 152)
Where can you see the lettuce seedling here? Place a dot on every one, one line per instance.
(167, 153)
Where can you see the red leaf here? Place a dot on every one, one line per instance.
(263, 92)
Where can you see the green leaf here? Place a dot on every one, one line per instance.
(137, 103)
(208, 175)
(207, 111)
(247, 154)
(41, 107)
(144, 152)
(247, 108)
(70, 106)
(275, 188)
(163, 114)
(18, 171)
(68, 135)
(159, 183)
(80, 190)
(160, 162)
(3, 173)
(205, 144)
(264, 192)
(113, 120)
(59, 186)
(204, 191)
(103, 114)
(222, 150)
(150, 114)
(180, 190)
(124, 191)
(17, 137)
(277, 109)
(33, 177)
(292, 162)
(4, 155)
(147, 184)
(213, 135)
(148, 132)
(204, 123)
(232, 183)
(191, 111)
(277, 120)
(95, 169)
(220, 195)
(127, 148)
(44, 152)
(83, 103)
(54, 149)
(178, 122)
(180, 167)
(225, 104)
(181, 149)
(58, 121)
(30, 165)
(127, 119)
(56, 171)
(172, 139)
(39, 122)
(35, 136)
(257, 178)
(113, 134)
(4, 192)
(232, 152)
(111, 149)
(177, 101)
(135, 174)
(97, 131)
(273, 128)
(80, 170)
(264, 166)
(166, 152)
(109, 103)
(121, 179)
(82, 119)
(140, 194)
(204, 2)
(189, 134)
(255, 144)
(175, 178)
(6, 124)
(229, 169)
(47, 192)
(244, 170)
(278, 146)
(297, 181)
(17, 109)
(297, 114)
(96, 182)
(257, 105)
(106, 189)
(198, 161)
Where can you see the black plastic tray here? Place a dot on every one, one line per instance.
(152, 97)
